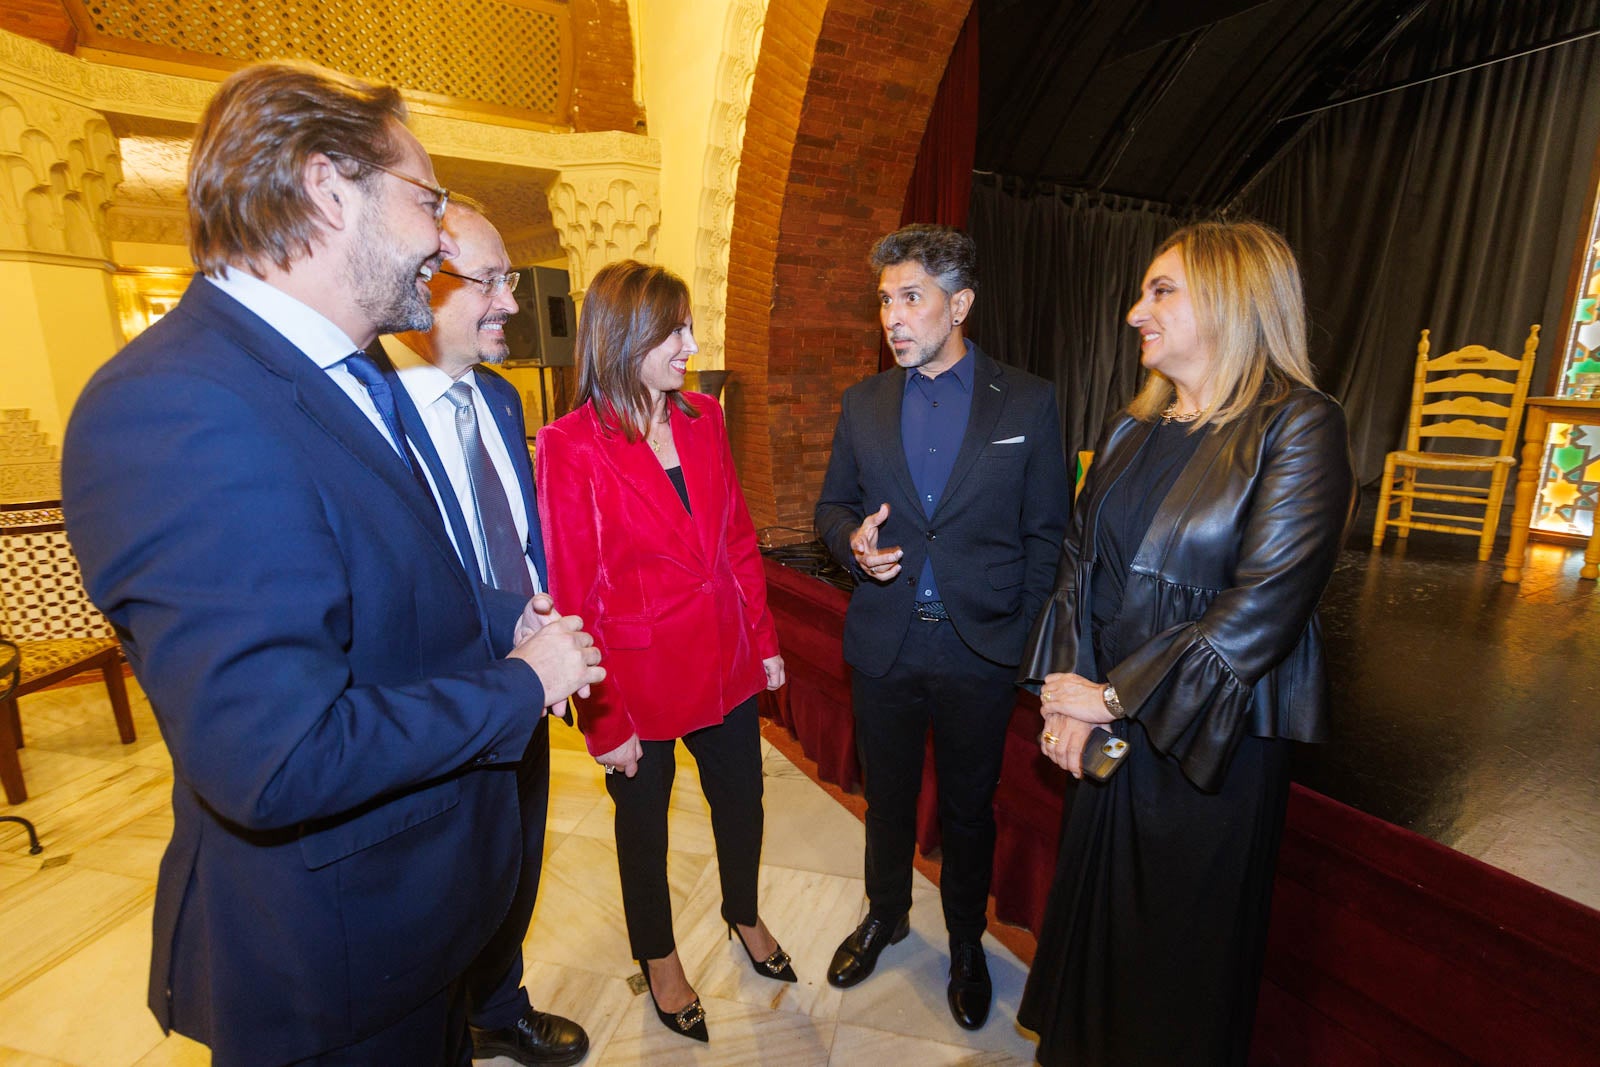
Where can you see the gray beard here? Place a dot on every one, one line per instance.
(922, 355)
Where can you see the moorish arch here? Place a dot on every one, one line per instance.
(741, 45)
(841, 95)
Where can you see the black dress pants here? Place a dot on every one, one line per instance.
(937, 682)
(728, 756)
(495, 997)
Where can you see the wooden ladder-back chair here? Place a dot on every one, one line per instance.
(1473, 393)
(46, 613)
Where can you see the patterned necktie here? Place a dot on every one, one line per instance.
(497, 533)
(363, 370)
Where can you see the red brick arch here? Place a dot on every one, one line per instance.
(841, 95)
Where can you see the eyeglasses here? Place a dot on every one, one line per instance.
(441, 195)
(490, 286)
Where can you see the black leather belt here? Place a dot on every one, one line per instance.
(930, 611)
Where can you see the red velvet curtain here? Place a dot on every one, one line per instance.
(941, 181)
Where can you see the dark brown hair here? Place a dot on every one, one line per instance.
(628, 309)
(247, 200)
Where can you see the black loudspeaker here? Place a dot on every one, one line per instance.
(545, 326)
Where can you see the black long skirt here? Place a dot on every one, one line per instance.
(1156, 925)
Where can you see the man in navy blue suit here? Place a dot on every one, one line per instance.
(476, 446)
(344, 703)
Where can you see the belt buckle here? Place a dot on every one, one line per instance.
(931, 611)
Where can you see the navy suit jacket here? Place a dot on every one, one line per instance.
(995, 535)
(316, 657)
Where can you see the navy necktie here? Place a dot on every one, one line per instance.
(497, 531)
(363, 370)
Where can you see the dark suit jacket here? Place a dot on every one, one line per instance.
(677, 602)
(995, 535)
(1225, 582)
(313, 651)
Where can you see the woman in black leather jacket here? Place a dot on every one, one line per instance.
(1184, 622)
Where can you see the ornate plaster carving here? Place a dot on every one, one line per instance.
(605, 212)
(102, 88)
(58, 169)
(741, 44)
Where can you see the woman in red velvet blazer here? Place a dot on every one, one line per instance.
(650, 542)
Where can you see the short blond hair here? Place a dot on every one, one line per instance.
(1250, 307)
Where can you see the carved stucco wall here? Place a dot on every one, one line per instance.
(605, 212)
(58, 172)
(735, 75)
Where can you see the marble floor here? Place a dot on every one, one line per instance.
(75, 920)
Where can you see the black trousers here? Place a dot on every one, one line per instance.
(493, 983)
(936, 682)
(728, 756)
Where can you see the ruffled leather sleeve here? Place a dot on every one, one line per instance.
(1192, 684)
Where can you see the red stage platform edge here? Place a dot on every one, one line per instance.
(1385, 947)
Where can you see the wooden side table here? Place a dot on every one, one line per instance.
(1539, 412)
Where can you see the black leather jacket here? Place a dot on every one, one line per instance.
(1227, 578)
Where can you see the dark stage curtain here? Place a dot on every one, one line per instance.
(1060, 270)
(1455, 205)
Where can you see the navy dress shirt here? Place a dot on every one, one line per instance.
(933, 420)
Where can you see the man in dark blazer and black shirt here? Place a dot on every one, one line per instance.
(947, 496)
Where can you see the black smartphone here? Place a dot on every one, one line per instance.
(1103, 753)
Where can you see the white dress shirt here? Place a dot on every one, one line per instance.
(427, 386)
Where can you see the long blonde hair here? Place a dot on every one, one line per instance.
(1249, 306)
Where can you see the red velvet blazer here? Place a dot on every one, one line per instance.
(677, 603)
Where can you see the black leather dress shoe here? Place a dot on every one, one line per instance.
(538, 1039)
(858, 954)
(970, 989)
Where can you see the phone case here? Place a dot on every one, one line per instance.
(1103, 753)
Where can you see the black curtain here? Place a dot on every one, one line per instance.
(1059, 270)
(1456, 205)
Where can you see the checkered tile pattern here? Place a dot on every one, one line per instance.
(41, 589)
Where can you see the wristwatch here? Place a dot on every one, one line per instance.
(1113, 705)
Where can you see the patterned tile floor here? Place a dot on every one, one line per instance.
(75, 920)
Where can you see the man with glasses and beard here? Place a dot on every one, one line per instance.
(342, 701)
(476, 446)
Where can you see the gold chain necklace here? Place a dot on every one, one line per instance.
(1171, 414)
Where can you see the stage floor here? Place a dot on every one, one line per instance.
(1467, 709)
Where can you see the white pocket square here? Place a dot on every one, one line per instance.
(1010, 441)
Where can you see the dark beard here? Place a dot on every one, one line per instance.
(385, 288)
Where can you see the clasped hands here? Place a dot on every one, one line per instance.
(558, 650)
(1072, 707)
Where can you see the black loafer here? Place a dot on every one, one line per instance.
(970, 989)
(538, 1039)
(858, 954)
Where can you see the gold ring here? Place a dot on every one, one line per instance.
(1049, 738)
